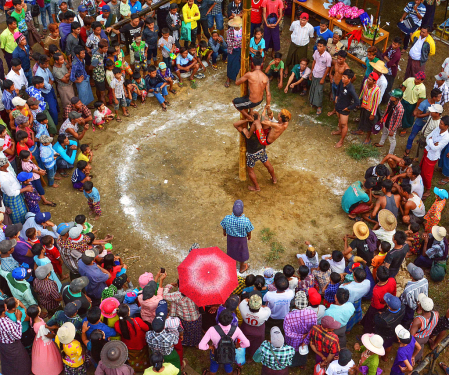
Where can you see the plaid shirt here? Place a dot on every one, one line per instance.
(297, 326)
(69, 257)
(237, 226)
(162, 342)
(47, 291)
(8, 264)
(444, 88)
(231, 40)
(10, 331)
(283, 357)
(7, 98)
(217, 8)
(85, 112)
(181, 306)
(329, 293)
(396, 117)
(325, 342)
(241, 285)
(305, 284)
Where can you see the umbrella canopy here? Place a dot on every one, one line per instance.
(207, 276)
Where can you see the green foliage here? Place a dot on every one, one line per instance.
(359, 151)
(276, 248)
(266, 234)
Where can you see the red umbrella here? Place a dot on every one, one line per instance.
(207, 276)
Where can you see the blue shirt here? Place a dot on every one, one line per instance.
(97, 279)
(341, 313)
(403, 353)
(237, 226)
(409, 8)
(353, 194)
(94, 195)
(253, 45)
(357, 290)
(424, 107)
(78, 176)
(40, 129)
(35, 93)
(47, 156)
(78, 70)
(108, 331)
(216, 45)
(9, 263)
(329, 293)
(62, 151)
(46, 75)
(137, 7)
(23, 56)
(184, 61)
(6, 99)
(326, 35)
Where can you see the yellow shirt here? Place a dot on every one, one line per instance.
(73, 353)
(7, 41)
(169, 369)
(189, 14)
(81, 156)
(413, 92)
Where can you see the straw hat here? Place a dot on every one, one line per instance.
(438, 232)
(66, 333)
(361, 230)
(387, 220)
(379, 65)
(235, 22)
(374, 343)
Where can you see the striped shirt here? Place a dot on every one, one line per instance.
(370, 97)
(47, 291)
(412, 290)
(9, 331)
(427, 325)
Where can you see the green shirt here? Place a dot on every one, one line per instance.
(413, 92)
(7, 41)
(20, 18)
(372, 362)
(369, 68)
(275, 67)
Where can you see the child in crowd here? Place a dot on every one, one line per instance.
(370, 57)
(120, 57)
(413, 239)
(150, 37)
(140, 87)
(33, 105)
(219, 47)
(299, 78)
(22, 139)
(257, 44)
(336, 261)
(40, 125)
(331, 289)
(71, 349)
(379, 259)
(102, 115)
(185, 63)
(322, 62)
(130, 89)
(32, 197)
(109, 65)
(392, 56)
(433, 216)
(93, 198)
(275, 69)
(52, 253)
(249, 283)
(191, 49)
(85, 154)
(158, 86)
(289, 273)
(174, 23)
(125, 9)
(322, 31)
(139, 50)
(118, 93)
(322, 275)
(87, 227)
(48, 157)
(167, 46)
(203, 52)
(81, 174)
(305, 279)
(32, 234)
(40, 259)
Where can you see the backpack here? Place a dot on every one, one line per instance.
(225, 352)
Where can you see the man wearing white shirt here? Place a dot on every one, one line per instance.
(442, 85)
(279, 303)
(419, 53)
(17, 75)
(436, 141)
(302, 31)
(342, 365)
(12, 193)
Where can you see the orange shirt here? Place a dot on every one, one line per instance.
(377, 262)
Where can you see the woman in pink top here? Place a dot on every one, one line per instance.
(148, 300)
(224, 322)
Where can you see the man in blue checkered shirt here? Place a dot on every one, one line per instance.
(237, 227)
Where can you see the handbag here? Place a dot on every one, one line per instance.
(409, 23)
(186, 31)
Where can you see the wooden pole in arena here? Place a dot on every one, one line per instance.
(244, 67)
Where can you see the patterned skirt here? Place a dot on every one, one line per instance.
(95, 207)
(192, 332)
(139, 360)
(81, 370)
(18, 207)
(356, 317)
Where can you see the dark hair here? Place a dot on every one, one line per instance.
(182, 50)
(281, 283)
(16, 2)
(127, 82)
(85, 146)
(123, 313)
(95, 24)
(116, 70)
(343, 54)
(400, 237)
(46, 240)
(149, 20)
(324, 21)
(387, 185)
(136, 75)
(322, 42)
(10, 303)
(81, 164)
(98, 104)
(383, 274)
(342, 295)
(303, 271)
(80, 219)
(2, 129)
(76, 25)
(257, 59)
(97, 341)
(165, 30)
(406, 341)
(69, 14)
(88, 186)
(91, 237)
(249, 280)
(32, 312)
(337, 256)
(259, 282)
(324, 265)
(406, 188)
(156, 360)
(426, 27)
(56, 55)
(445, 120)
(24, 154)
(435, 92)
(7, 83)
(108, 262)
(202, 44)
(225, 318)
(191, 46)
(61, 138)
(77, 50)
(88, 20)
(416, 170)
(93, 314)
(30, 232)
(278, 55)
(20, 135)
(385, 246)
(16, 62)
(41, 116)
(111, 51)
(37, 248)
(414, 226)
(103, 43)
(335, 277)
(359, 274)
(10, 20)
(151, 69)
(288, 270)
(398, 40)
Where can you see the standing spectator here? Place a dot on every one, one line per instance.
(35, 92)
(234, 42)
(414, 93)
(191, 14)
(407, 351)
(237, 228)
(72, 351)
(62, 77)
(277, 357)
(99, 73)
(392, 56)
(422, 44)
(131, 28)
(279, 302)
(14, 358)
(272, 15)
(19, 286)
(48, 91)
(79, 76)
(17, 75)
(370, 100)
(321, 66)
(7, 41)
(441, 83)
(411, 20)
(324, 342)
(409, 297)
(113, 356)
(47, 289)
(73, 40)
(74, 292)
(150, 297)
(297, 326)
(215, 14)
(22, 52)
(395, 257)
(302, 31)
(97, 275)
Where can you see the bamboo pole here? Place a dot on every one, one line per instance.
(244, 67)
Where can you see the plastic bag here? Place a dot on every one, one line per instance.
(186, 31)
(318, 370)
(240, 356)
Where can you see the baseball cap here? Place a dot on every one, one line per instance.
(162, 65)
(63, 228)
(42, 217)
(23, 176)
(344, 357)
(12, 230)
(158, 323)
(78, 284)
(21, 273)
(106, 8)
(425, 302)
(75, 231)
(72, 308)
(401, 332)
(374, 76)
(416, 272)
(82, 9)
(441, 76)
(438, 108)
(88, 256)
(329, 322)
(304, 15)
(43, 271)
(130, 297)
(392, 301)
(7, 245)
(18, 101)
(276, 338)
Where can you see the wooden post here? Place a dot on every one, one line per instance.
(244, 67)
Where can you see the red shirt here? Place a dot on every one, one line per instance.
(52, 254)
(273, 6)
(19, 148)
(379, 291)
(115, 270)
(83, 34)
(256, 11)
(136, 338)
